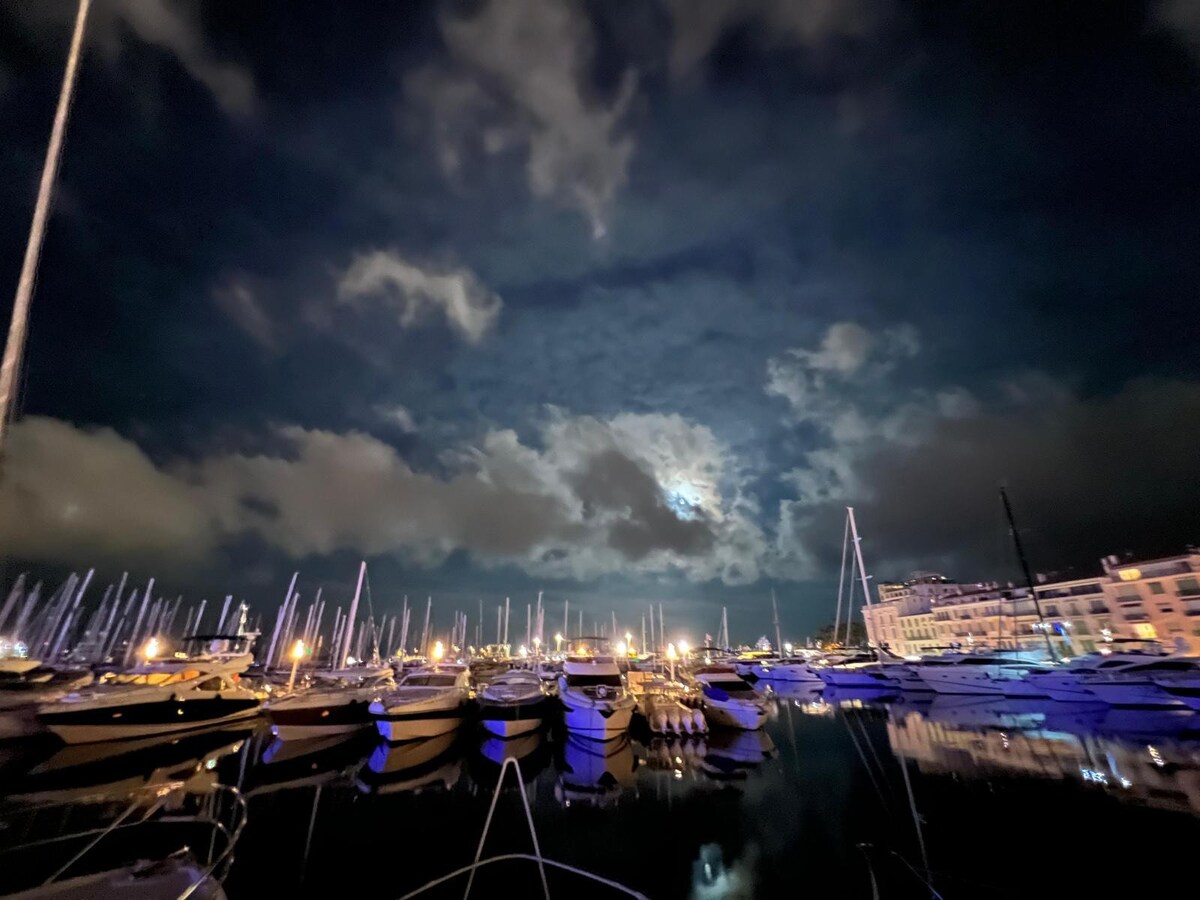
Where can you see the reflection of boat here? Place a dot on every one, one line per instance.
(1155, 770)
(159, 842)
(971, 710)
(735, 754)
(412, 765)
(159, 696)
(595, 772)
(531, 750)
(339, 702)
(117, 768)
(427, 702)
(286, 765)
(513, 703)
(595, 702)
(729, 701)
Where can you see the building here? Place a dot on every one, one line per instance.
(1156, 598)
(1153, 599)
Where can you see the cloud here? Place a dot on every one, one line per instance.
(171, 26)
(647, 494)
(399, 416)
(412, 291)
(516, 76)
(177, 29)
(238, 301)
(71, 494)
(922, 466)
(698, 27)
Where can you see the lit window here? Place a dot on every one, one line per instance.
(1145, 630)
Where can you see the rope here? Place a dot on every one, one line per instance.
(536, 856)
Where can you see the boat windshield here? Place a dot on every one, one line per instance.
(430, 680)
(733, 686)
(593, 680)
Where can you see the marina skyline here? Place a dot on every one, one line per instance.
(638, 338)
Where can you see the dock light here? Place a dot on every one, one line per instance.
(683, 648)
(297, 654)
(628, 638)
(787, 648)
(558, 642)
(150, 651)
(622, 648)
(524, 651)
(439, 650)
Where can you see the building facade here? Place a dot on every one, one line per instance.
(1156, 599)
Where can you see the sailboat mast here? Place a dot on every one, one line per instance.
(862, 572)
(341, 660)
(1025, 571)
(775, 610)
(14, 349)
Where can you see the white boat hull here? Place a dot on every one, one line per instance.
(597, 722)
(408, 728)
(94, 733)
(982, 683)
(860, 680)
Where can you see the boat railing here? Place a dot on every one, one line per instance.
(53, 829)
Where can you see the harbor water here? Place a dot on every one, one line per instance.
(953, 797)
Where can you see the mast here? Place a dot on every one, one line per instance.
(775, 610)
(349, 629)
(862, 572)
(14, 349)
(1012, 527)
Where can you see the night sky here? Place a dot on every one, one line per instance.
(625, 301)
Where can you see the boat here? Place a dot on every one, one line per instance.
(1166, 682)
(594, 700)
(990, 674)
(873, 674)
(337, 702)
(513, 704)
(728, 699)
(188, 690)
(789, 669)
(1065, 682)
(665, 705)
(413, 766)
(427, 702)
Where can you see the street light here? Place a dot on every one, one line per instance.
(671, 657)
(622, 648)
(537, 646)
(439, 650)
(297, 655)
(151, 649)
(787, 648)
(683, 648)
(524, 651)
(558, 639)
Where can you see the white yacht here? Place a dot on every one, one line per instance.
(728, 699)
(427, 702)
(336, 702)
(1065, 683)
(513, 703)
(594, 700)
(871, 675)
(176, 693)
(1171, 681)
(985, 674)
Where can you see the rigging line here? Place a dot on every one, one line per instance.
(837, 619)
(878, 762)
(866, 765)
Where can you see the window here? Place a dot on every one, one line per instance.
(1156, 587)
(1081, 627)
(1052, 610)
(1188, 587)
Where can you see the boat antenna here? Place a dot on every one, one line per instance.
(15, 348)
(1016, 536)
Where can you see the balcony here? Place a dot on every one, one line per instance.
(1135, 616)
(1130, 601)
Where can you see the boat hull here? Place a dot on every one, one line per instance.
(299, 722)
(431, 723)
(1144, 694)
(83, 726)
(599, 722)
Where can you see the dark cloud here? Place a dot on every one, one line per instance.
(613, 482)
(1087, 477)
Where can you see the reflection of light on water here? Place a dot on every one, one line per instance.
(713, 880)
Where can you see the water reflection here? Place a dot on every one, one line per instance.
(288, 765)
(413, 766)
(595, 772)
(735, 754)
(1152, 764)
(531, 751)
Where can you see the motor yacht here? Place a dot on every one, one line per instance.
(427, 702)
(1171, 681)
(986, 674)
(333, 702)
(728, 699)
(513, 703)
(594, 700)
(193, 689)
